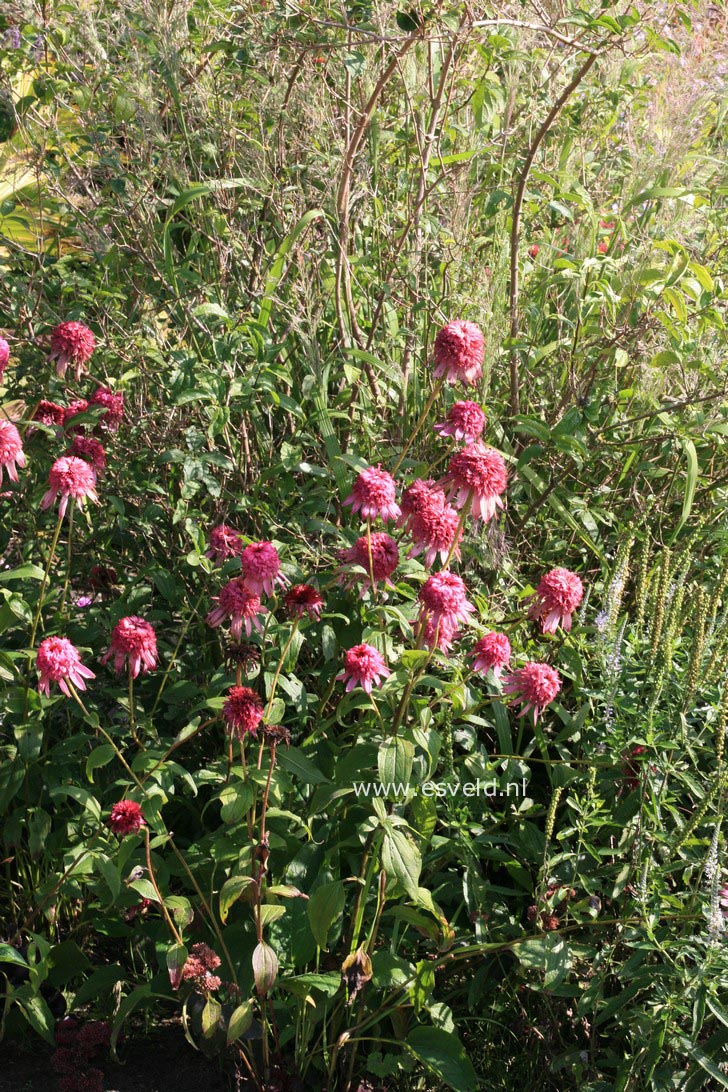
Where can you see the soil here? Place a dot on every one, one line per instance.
(161, 1061)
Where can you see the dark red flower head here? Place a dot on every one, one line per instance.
(126, 818)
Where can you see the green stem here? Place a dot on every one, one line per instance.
(68, 555)
(41, 597)
(279, 668)
(423, 416)
(171, 663)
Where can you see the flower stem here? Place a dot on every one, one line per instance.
(68, 555)
(51, 555)
(152, 879)
(456, 536)
(175, 654)
(279, 668)
(423, 416)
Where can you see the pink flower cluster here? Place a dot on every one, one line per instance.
(134, 639)
(433, 524)
(363, 666)
(242, 711)
(459, 353)
(126, 818)
(72, 343)
(377, 554)
(534, 685)
(200, 964)
(558, 595)
(12, 455)
(58, 661)
(374, 495)
(72, 479)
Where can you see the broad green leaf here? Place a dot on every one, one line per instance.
(231, 890)
(395, 760)
(443, 1054)
(323, 908)
(401, 859)
(240, 1021)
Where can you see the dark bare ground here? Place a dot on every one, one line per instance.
(159, 1061)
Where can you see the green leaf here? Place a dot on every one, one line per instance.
(691, 481)
(706, 1063)
(240, 1021)
(39, 1016)
(101, 981)
(23, 572)
(323, 908)
(231, 890)
(269, 913)
(277, 267)
(137, 997)
(301, 985)
(145, 889)
(8, 954)
(401, 858)
(100, 756)
(442, 1053)
(295, 762)
(395, 760)
(237, 801)
(211, 1016)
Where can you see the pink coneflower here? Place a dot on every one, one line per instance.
(12, 455)
(49, 413)
(533, 250)
(303, 599)
(225, 542)
(74, 409)
(90, 449)
(57, 660)
(71, 343)
(70, 477)
(465, 421)
(133, 637)
(416, 497)
(201, 962)
(262, 568)
(380, 564)
(556, 598)
(534, 685)
(443, 595)
(459, 352)
(242, 711)
(238, 604)
(436, 529)
(114, 406)
(440, 634)
(478, 472)
(602, 246)
(374, 494)
(126, 818)
(492, 653)
(363, 666)
(4, 356)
